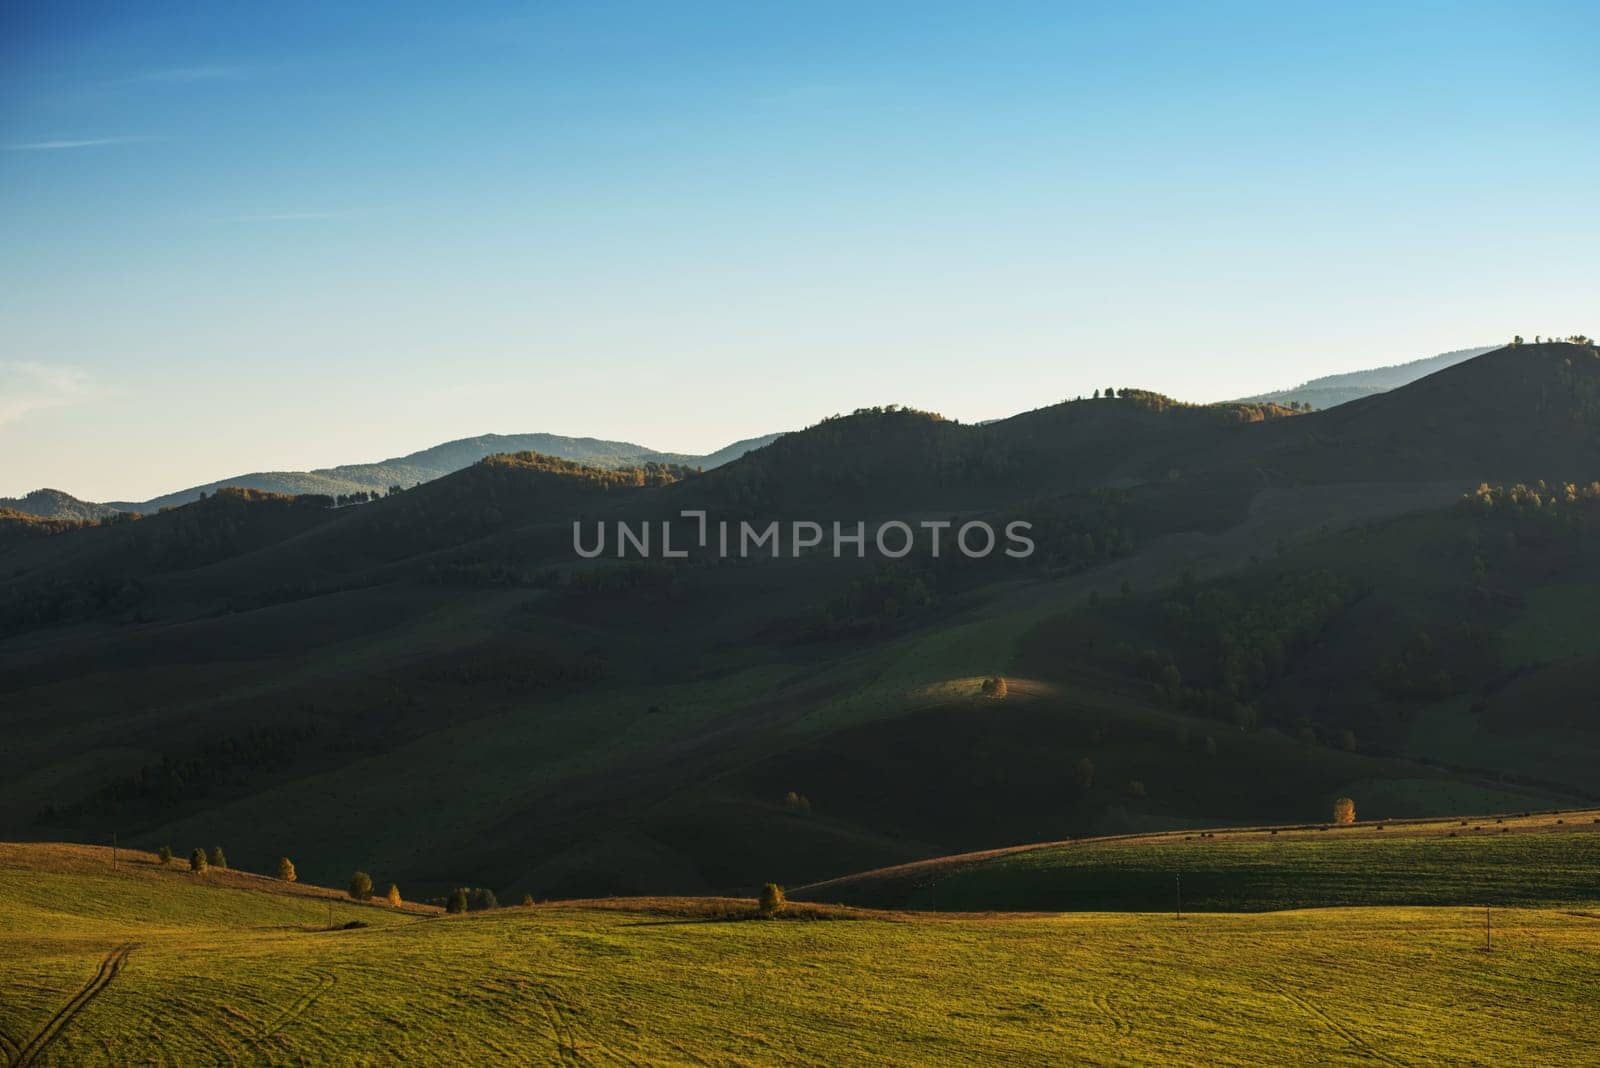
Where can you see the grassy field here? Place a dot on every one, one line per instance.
(1512, 860)
(148, 965)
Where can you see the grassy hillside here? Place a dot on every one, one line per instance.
(141, 964)
(1521, 859)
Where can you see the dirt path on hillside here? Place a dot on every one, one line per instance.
(109, 967)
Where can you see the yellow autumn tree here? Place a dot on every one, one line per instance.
(772, 900)
(394, 895)
(1344, 810)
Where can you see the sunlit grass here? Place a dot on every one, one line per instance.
(234, 974)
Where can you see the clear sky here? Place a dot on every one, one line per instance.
(254, 236)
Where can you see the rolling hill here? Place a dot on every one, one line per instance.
(1517, 859)
(476, 704)
(54, 504)
(137, 962)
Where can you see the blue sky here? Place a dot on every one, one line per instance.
(240, 237)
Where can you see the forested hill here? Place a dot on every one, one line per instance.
(1519, 409)
(54, 504)
(404, 471)
(880, 459)
(1516, 412)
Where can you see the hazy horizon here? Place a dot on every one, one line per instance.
(283, 239)
(323, 464)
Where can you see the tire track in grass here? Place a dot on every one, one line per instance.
(217, 1040)
(109, 967)
(159, 1056)
(225, 1033)
(297, 1008)
(573, 1035)
(1120, 1025)
(687, 1053)
(9, 1048)
(502, 994)
(1359, 1044)
(575, 1042)
(567, 1051)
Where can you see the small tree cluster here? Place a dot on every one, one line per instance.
(468, 899)
(197, 861)
(164, 855)
(217, 858)
(361, 886)
(1344, 810)
(286, 870)
(797, 803)
(994, 686)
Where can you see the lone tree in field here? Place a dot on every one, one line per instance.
(458, 900)
(197, 862)
(286, 870)
(994, 686)
(772, 900)
(1344, 810)
(527, 901)
(361, 886)
(164, 855)
(217, 857)
(394, 895)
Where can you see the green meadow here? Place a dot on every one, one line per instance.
(1521, 859)
(145, 964)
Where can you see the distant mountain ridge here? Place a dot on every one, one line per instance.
(1331, 390)
(54, 504)
(407, 471)
(451, 456)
